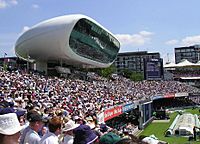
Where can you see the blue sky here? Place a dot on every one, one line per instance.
(140, 25)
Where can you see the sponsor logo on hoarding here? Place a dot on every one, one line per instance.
(113, 112)
(181, 94)
(157, 97)
(128, 107)
(169, 95)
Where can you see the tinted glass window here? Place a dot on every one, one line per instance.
(92, 42)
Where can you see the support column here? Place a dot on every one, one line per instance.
(41, 66)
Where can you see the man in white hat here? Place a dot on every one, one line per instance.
(9, 129)
(68, 132)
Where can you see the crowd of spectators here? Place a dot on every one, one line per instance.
(67, 109)
(186, 73)
(175, 103)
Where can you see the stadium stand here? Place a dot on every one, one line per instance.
(80, 101)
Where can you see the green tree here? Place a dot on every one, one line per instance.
(137, 76)
(107, 72)
(127, 73)
(134, 76)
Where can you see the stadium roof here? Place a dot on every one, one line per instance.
(190, 78)
(183, 63)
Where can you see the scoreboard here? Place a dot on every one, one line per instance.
(153, 69)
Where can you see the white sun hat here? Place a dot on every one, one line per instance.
(70, 125)
(9, 124)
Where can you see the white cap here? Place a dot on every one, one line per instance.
(76, 117)
(9, 124)
(70, 125)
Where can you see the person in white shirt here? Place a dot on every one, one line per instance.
(36, 124)
(54, 126)
(68, 132)
(26, 127)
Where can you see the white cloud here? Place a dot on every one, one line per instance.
(14, 2)
(135, 39)
(25, 28)
(190, 40)
(35, 6)
(172, 42)
(7, 3)
(145, 33)
(3, 4)
(187, 41)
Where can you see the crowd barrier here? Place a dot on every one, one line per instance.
(120, 109)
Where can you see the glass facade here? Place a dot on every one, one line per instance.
(190, 53)
(91, 41)
(133, 61)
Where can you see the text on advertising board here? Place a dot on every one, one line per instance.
(113, 112)
(128, 107)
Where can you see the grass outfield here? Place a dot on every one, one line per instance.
(158, 129)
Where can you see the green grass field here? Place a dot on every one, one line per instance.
(158, 129)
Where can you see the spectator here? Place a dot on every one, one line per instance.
(9, 129)
(55, 125)
(44, 130)
(68, 132)
(90, 122)
(103, 128)
(80, 100)
(109, 138)
(84, 135)
(194, 133)
(36, 123)
(133, 140)
(26, 126)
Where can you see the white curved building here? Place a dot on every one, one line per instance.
(71, 40)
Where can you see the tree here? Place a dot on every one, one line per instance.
(107, 72)
(134, 76)
(137, 76)
(127, 73)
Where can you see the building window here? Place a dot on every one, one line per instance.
(91, 41)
